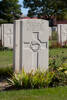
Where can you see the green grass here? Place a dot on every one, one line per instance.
(59, 54)
(59, 93)
(6, 58)
(58, 51)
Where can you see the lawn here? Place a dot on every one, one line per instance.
(59, 54)
(6, 56)
(58, 51)
(59, 93)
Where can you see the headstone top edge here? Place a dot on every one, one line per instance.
(61, 24)
(7, 24)
(30, 20)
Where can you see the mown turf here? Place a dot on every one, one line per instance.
(59, 93)
(6, 58)
(58, 51)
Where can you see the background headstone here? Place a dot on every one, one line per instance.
(7, 35)
(31, 44)
(62, 33)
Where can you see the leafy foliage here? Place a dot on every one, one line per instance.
(45, 7)
(9, 10)
(51, 78)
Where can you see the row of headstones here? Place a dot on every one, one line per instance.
(6, 35)
(61, 33)
(30, 39)
(30, 43)
(7, 31)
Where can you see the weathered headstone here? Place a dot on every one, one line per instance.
(62, 33)
(31, 44)
(7, 35)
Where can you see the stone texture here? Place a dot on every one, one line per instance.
(7, 35)
(62, 33)
(31, 44)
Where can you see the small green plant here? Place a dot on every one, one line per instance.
(60, 75)
(20, 80)
(50, 78)
(59, 79)
(38, 79)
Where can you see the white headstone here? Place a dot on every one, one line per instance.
(7, 35)
(62, 33)
(31, 44)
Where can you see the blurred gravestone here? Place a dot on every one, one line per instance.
(62, 33)
(7, 35)
(31, 44)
